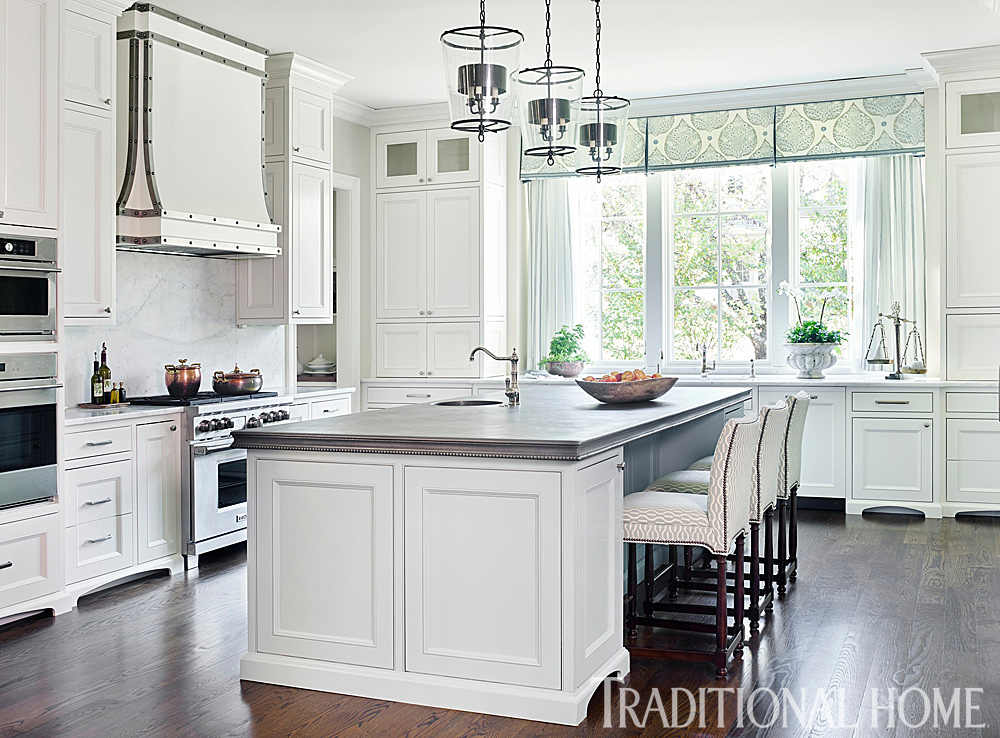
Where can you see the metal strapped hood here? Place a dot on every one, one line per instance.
(190, 139)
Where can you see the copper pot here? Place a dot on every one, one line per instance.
(237, 382)
(183, 379)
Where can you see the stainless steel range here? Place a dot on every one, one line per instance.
(214, 501)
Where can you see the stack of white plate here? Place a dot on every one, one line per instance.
(321, 366)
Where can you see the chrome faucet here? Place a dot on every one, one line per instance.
(705, 368)
(512, 392)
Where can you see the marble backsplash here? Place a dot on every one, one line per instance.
(172, 308)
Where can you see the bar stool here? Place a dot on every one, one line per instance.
(717, 521)
(789, 476)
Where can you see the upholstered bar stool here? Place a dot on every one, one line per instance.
(717, 521)
(789, 476)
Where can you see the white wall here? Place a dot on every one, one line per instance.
(172, 308)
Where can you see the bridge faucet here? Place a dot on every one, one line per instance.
(705, 368)
(512, 392)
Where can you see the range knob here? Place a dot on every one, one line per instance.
(204, 427)
(8, 247)
(284, 415)
(253, 422)
(265, 418)
(217, 424)
(228, 423)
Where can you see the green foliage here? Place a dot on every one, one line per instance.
(813, 331)
(566, 345)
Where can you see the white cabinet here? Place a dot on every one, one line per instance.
(88, 54)
(330, 408)
(448, 349)
(400, 159)
(87, 247)
(452, 157)
(102, 546)
(426, 350)
(973, 346)
(973, 452)
(325, 588)
(98, 491)
(483, 536)
(401, 255)
(433, 157)
(892, 459)
(453, 253)
(824, 442)
(973, 220)
(158, 488)
(972, 112)
(312, 126)
(29, 559)
(29, 112)
(310, 238)
(263, 285)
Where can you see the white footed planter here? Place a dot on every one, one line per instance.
(810, 359)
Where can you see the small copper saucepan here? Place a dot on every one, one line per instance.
(237, 382)
(182, 379)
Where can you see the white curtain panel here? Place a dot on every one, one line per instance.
(550, 264)
(894, 253)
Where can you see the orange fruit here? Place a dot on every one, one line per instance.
(628, 376)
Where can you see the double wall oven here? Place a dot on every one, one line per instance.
(27, 288)
(28, 395)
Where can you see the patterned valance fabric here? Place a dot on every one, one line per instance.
(892, 124)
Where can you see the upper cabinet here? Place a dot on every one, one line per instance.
(434, 157)
(29, 112)
(89, 52)
(312, 126)
(973, 259)
(972, 113)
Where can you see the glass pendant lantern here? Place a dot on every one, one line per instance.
(548, 100)
(603, 122)
(479, 61)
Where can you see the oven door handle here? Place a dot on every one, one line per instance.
(213, 447)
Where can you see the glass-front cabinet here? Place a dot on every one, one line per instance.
(973, 113)
(418, 158)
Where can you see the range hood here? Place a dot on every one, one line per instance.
(190, 143)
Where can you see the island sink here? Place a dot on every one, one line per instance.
(468, 403)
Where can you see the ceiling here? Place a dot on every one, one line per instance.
(650, 48)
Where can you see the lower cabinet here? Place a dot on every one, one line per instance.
(893, 459)
(324, 590)
(426, 350)
(482, 575)
(973, 464)
(99, 547)
(29, 559)
(158, 487)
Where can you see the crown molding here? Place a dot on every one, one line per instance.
(354, 112)
(289, 65)
(412, 114)
(105, 6)
(993, 5)
(976, 59)
(924, 76)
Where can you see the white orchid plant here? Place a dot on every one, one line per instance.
(812, 331)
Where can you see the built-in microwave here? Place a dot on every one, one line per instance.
(27, 288)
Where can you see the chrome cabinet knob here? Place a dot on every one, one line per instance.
(295, 148)
(421, 373)
(421, 179)
(107, 101)
(107, 310)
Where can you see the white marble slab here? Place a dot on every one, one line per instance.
(80, 416)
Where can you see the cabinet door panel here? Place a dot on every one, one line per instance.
(311, 244)
(452, 157)
(31, 548)
(312, 126)
(448, 349)
(400, 350)
(892, 459)
(158, 484)
(99, 491)
(325, 582)
(973, 346)
(400, 159)
(976, 482)
(489, 537)
(824, 442)
(973, 259)
(453, 253)
(99, 547)
(261, 284)
(401, 255)
(972, 113)
(274, 121)
(87, 55)
(973, 439)
(88, 244)
(29, 112)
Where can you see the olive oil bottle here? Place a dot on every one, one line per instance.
(97, 384)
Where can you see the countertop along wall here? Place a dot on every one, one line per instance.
(171, 308)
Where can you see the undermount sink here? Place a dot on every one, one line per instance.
(468, 403)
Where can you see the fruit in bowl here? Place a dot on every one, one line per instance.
(632, 385)
(636, 375)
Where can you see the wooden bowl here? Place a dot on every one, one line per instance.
(639, 390)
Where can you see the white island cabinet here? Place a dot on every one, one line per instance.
(461, 557)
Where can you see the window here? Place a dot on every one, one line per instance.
(611, 265)
(719, 247)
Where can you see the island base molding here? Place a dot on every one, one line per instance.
(526, 703)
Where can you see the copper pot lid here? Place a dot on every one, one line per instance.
(181, 366)
(237, 374)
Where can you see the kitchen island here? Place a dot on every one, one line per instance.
(466, 557)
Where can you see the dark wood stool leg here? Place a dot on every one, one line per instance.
(793, 531)
(647, 605)
(672, 581)
(740, 594)
(782, 545)
(721, 618)
(633, 575)
(754, 574)
(769, 556)
(688, 562)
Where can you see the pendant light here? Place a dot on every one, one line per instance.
(477, 60)
(548, 100)
(603, 119)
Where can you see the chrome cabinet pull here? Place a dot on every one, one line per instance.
(7, 565)
(101, 443)
(892, 402)
(621, 466)
(418, 395)
(91, 503)
(108, 537)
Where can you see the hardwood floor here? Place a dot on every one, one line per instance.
(881, 602)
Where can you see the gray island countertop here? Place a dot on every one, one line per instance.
(561, 423)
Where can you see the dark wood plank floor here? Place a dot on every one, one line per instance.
(882, 602)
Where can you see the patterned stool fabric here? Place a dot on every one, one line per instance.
(688, 482)
(666, 516)
(790, 464)
(702, 464)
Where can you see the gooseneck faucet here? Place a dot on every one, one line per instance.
(512, 392)
(705, 368)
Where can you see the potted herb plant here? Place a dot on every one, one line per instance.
(811, 343)
(566, 355)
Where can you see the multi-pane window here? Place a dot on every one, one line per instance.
(611, 261)
(718, 242)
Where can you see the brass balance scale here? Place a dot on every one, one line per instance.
(901, 364)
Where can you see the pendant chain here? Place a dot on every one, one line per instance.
(548, 33)
(597, 75)
(482, 59)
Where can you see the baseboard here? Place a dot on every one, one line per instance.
(820, 503)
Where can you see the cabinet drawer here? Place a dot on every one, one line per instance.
(973, 439)
(28, 557)
(893, 402)
(98, 492)
(415, 395)
(971, 402)
(974, 481)
(98, 442)
(99, 547)
(326, 408)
